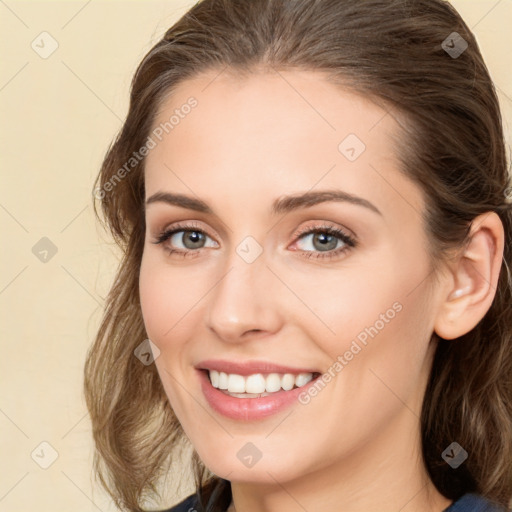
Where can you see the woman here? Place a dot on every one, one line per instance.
(312, 202)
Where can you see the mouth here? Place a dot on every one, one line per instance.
(252, 390)
(257, 385)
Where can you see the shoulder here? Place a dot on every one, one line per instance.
(474, 503)
(189, 504)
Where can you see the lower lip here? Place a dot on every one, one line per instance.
(248, 409)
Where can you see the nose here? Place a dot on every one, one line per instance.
(245, 301)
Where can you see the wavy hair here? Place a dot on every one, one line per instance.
(452, 146)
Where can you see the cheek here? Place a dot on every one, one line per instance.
(380, 321)
(385, 343)
(157, 303)
(167, 297)
(358, 304)
(167, 300)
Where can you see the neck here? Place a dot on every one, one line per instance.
(379, 476)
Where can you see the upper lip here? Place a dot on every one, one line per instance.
(249, 367)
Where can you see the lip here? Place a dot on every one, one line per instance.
(249, 409)
(249, 367)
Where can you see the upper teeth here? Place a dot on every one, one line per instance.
(257, 383)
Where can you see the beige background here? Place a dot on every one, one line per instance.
(58, 116)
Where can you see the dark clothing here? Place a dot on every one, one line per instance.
(466, 503)
(473, 503)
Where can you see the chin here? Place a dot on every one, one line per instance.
(266, 470)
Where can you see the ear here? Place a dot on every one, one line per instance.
(473, 278)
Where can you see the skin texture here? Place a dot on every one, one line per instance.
(356, 445)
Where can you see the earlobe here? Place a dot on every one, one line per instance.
(473, 279)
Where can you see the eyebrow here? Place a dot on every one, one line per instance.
(282, 204)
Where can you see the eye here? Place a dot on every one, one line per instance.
(326, 239)
(189, 236)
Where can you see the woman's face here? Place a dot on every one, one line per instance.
(252, 290)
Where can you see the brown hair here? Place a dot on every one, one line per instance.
(452, 146)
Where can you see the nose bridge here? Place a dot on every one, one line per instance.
(242, 301)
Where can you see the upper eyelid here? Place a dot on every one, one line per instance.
(325, 227)
(185, 226)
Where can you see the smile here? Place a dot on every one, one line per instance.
(256, 385)
(252, 390)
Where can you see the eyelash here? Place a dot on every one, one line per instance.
(349, 241)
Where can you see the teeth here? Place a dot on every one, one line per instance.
(236, 383)
(223, 380)
(288, 381)
(254, 384)
(273, 382)
(214, 377)
(302, 378)
(257, 383)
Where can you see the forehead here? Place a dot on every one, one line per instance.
(287, 104)
(268, 132)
